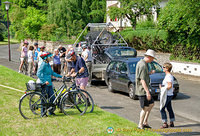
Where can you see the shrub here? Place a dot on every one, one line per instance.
(144, 39)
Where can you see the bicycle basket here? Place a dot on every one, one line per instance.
(34, 86)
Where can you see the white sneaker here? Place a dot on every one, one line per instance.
(19, 71)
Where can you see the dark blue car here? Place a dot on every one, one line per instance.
(120, 76)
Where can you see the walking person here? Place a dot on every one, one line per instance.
(166, 96)
(56, 62)
(87, 56)
(143, 88)
(44, 74)
(30, 61)
(62, 52)
(24, 55)
(36, 52)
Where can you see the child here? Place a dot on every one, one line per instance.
(30, 60)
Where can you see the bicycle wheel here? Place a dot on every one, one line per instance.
(30, 105)
(90, 101)
(74, 102)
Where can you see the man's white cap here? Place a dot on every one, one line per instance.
(59, 46)
(151, 53)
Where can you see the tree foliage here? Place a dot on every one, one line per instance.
(132, 9)
(181, 19)
(73, 15)
(37, 18)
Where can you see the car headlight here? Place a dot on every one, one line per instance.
(175, 81)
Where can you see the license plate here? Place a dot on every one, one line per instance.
(157, 90)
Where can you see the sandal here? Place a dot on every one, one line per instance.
(146, 126)
(165, 125)
(171, 124)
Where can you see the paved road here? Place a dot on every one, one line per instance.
(186, 105)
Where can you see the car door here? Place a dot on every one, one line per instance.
(116, 74)
(111, 71)
(123, 78)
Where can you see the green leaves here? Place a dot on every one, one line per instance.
(133, 9)
(182, 21)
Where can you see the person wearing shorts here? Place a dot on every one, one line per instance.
(143, 88)
(79, 69)
(24, 55)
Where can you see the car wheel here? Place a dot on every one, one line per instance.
(110, 89)
(174, 96)
(131, 89)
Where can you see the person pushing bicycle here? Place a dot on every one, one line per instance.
(80, 71)
(44, 74)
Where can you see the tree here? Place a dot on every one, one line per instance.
(73, 15)
(181, 19)
(132, 9)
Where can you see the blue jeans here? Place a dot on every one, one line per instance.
(48, 92)
(168, 105)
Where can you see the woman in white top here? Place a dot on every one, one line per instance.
(168, 84)
(23, 56)
(30, 60)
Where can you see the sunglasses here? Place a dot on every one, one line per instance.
(164, 67)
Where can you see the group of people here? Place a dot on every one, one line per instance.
(40, 60)
(144, 95)
(61, 59)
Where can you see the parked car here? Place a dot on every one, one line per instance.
(120, 76)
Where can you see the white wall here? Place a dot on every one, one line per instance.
(185, 68)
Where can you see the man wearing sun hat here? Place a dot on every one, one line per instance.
(143, 88)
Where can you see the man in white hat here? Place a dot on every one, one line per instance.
(143, 88)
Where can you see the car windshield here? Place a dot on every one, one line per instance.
(151, 66)
(122, 52)
(155, 66)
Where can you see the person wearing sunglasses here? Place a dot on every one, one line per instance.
(166, 96)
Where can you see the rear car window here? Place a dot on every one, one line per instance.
(122, 52)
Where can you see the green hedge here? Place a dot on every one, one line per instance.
(143, 39)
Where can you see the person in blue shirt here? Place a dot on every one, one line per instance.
(44, 74)
(79, 69)
(36, 51)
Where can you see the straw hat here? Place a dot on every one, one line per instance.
(151, 53)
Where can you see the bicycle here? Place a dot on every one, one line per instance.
(90, 100)
(33, 104)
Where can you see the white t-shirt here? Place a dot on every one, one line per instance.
(30, 56)
(40, 60)
(168, 78)
(85, 53)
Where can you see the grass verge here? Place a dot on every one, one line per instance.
(95, 123)
(12, 41)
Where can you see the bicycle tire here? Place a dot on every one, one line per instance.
(30, 105)
(90, 108)
(71, 105)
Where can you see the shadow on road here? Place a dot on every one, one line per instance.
(189, 125)
(181, 96)
(111, 107)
